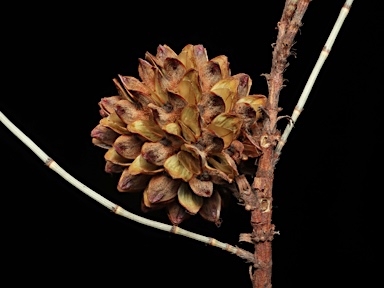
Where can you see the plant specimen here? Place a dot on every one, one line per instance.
(189, 132)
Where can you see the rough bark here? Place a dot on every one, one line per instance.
(258, 197)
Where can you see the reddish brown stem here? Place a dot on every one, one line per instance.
(260, 200)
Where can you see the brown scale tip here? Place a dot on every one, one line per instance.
(156, 153)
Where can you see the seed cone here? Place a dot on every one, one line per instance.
(182, 133)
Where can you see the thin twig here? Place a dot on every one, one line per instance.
(315, 72)
(115, 208)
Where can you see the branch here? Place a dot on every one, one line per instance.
(315, 72)
(115, 208)
(263, 230)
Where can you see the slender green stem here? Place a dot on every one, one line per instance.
(112, 206)
(315, 72)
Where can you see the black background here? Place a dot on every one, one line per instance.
(58, 63)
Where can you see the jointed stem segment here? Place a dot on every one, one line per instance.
(315, 72)
(115, 208)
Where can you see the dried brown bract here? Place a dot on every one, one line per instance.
(180, 133)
